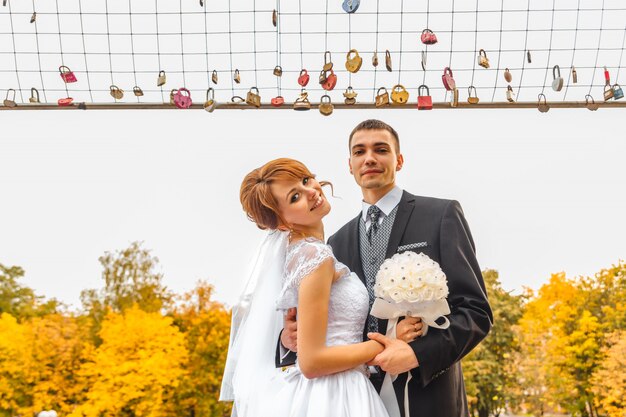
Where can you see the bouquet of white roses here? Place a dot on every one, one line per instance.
(411, 284)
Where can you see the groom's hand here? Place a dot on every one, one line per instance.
(289, 335)
(398, 357)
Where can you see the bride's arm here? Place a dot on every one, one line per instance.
(315, 358)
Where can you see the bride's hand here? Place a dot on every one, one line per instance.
(409, 329)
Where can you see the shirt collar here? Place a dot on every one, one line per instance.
(385, 204)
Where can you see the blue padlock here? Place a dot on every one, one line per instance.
(617, 92)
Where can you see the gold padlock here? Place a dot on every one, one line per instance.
(454, 97)
(322, 78)
(116, 92)
(34, 95)
(382, 99)
(593, 106)
(10, 102)
(507, 75)
(510, 96)
(574, 75)
(542, 104)
(302, 102)
(472, 99)
(214, 77)
(278, 71)
(172, 94)
(608, 92)
(326, 107)
(375, 59)
(328, 63)
(253, 98)
(137, 91)
(210, 103)
(162, 78)
(350, 96)
(237, 77)
(353, 63)
(483, 61)
(399, 95)
(388, 60)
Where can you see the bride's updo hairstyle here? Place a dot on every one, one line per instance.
(256, 196)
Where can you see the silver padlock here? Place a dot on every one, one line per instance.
(557, 82)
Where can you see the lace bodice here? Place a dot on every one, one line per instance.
(348, 305)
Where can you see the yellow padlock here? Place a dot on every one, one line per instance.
(382, 99)
(399, 95)
(253, 98)
(353, 61)
(350, 96)
(326, 107)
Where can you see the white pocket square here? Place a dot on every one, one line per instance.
(410, 246)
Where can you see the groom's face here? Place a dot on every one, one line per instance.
(374, 159)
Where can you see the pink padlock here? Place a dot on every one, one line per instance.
(447, 79)
(66, 74)
(182, 98)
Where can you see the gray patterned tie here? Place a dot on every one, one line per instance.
(374, 214)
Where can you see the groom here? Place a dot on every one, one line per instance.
(393, 221)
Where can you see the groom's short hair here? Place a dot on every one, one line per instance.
(373, 124)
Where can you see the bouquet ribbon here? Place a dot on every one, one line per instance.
(429, 311)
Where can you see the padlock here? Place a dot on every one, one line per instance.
(66, 74)
(510, 96)
(424, 101)
(424, 57)
(253, 98)
(542, 104)
(182, 98)
(483, 61)
(557, 82)
(382, 99)
(388, 60)
(214, 76)
(116, 92)
(172, 93)
(326, 107)
(328, 63)
(302, 103)
(278, 71)
(528, 57)
(574, 75)
(322, 78)
(33, 17)
(617, 92)
(507, 75)
(10, 102)
(607, 77)
(64, 102)
(161, 79)
(447, 79)
(593, 106)
(331, 81)
(34, 95)
(237, 76)
(350, 96)
(210, 103)
(303, 78)
(353, 63)
(350, 6)
(472, 99)
(237, 99)
(454, 97)
(275, 18)
(375, 59)
(137, 91)
(82, 106)
(399, 95)
(608, 92)
(277, 101)
(428, 37)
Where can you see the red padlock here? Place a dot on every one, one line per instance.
(331, 81)
(428, 37)
(66, 74)
(182, 98)
(277, 101)
(303, 79)
(424, 102)
(65, 101)
(448, 80)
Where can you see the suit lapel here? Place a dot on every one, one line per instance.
(354, 251)
(405, 208)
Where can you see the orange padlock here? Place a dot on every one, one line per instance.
(331, 81)
(303, 78)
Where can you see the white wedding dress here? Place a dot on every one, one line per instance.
(344, 394)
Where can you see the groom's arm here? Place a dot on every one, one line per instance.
(471, 317)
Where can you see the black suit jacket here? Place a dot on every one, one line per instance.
(437, 387)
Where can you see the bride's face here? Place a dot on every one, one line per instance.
(301, 203)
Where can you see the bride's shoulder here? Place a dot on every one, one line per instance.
(307, 251)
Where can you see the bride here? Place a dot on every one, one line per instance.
(295, 268)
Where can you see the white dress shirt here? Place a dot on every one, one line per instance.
(385, 204)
